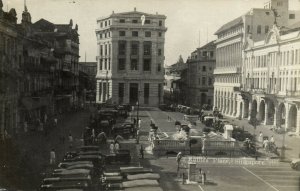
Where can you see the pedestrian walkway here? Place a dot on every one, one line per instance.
(292, 143)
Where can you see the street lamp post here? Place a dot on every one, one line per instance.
(282, 154)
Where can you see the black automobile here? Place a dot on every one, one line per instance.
(127, 130)
(122, 156)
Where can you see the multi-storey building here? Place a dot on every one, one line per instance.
(65, 75)
(171, 88)
(36, 85)
(271, 79)
(130, 58)
(87, 81)
(9, 71)
(231, 37)
(200, 67)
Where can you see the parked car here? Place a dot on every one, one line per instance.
(123, 156)
(126, 130)
(295, 164)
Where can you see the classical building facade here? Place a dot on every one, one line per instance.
(271, 79)
(130, 58)
(200, 67)
(64, 41)
(9, 74)
(254, 25)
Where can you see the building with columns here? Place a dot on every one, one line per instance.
(200, 67)
(271, 79)
(130, 58)
(9, 74)
(254, 25)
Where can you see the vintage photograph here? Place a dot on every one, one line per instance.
(150, 95)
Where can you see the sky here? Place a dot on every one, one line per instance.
(188, 21)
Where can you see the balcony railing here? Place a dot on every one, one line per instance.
(292, 93)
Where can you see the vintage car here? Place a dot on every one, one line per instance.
(84, 185)
(127, 130)
(295, 164)
(123, 156)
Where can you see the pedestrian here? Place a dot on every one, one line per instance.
(142, 151)
(117, 147)
(134, 121)
(203, 177)
(111, 148)
(25, 127)
(70, 138)
(52, 157)
(178, 159)
(139, 123)
(137, 136)
(55, 121)
(272, 139)
(260, 138)
(93, 135)
(41, 127)
(45, 118)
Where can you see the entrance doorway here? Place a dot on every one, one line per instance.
(133, 93)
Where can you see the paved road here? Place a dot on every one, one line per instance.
(221, 177)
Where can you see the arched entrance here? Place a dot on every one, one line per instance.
(281, 115)
(261, 113)
(246, 109)
(241, 109)
(292, 120)
(253, 109)
(271, 113)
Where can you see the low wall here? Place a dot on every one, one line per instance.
(162, 147)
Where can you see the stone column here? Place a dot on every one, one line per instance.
(266, 120)
(287, 123)
(298, 121)
(241, 113)
(276, 117)
(250, 108)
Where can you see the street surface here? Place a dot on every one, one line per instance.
(220, 177)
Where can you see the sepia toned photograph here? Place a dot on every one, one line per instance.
(149, 95)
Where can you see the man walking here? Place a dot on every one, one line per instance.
(52, 157)
(178, 159)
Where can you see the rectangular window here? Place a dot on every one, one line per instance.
(203, 81)
(159, 52)
(148, 34)
(122, 33)
(159, 34)
(122, 47)
(209, 81)
(135, 33)
(266, 29)
(212, 54)
(100, 90)
(258, 29)
(204, 53)
(159, 67)
(203, 68)
(121, 64)
(105, 23)
(147, 48)
(122, 20)
(147, 21)
(134, 21)
(121, 92)
(248, 29)
(134, 48)
(101, 24)
(101, 50)
(146, 93)
(134, 64)
(105, 49)
(147, 65)
(291, 16)
(160, 23)
(104, 92)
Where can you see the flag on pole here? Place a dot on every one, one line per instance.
(143, 19)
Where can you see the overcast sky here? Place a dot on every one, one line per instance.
(185, 18)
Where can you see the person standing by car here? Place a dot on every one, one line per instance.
(117, 147)
(52, 157)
